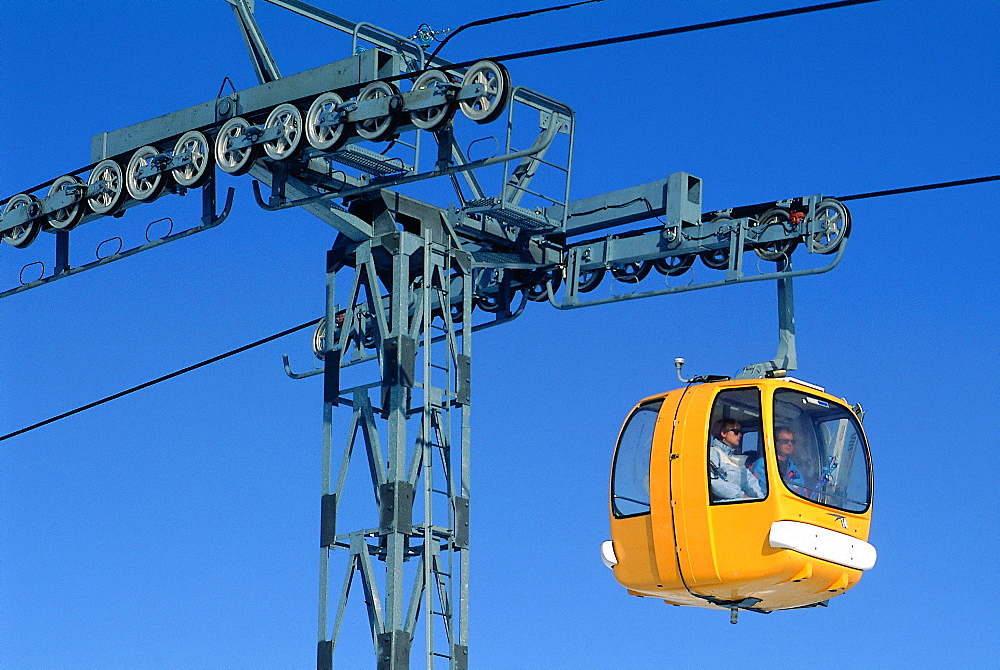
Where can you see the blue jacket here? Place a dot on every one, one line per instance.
(792, 476)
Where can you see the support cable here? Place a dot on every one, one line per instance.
(676, 31)
(651, 34)
(152, 382)
(270, 338)
(924, 187)
(498, 19)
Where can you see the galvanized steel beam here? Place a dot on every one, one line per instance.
(260, 54)
(400, 303)
(355, 229)
(366, 31)
(349, 74)
(678, 197)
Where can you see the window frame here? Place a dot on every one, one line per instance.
(644, 407)
(859, 429)
(762, 446)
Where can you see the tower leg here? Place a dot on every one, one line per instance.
(410, 305)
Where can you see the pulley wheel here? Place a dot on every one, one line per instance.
(496, 91)
(319, 339)
(68, 217)
(324, 137)
(234, 161)
(25, 233)
(489, 285)
(195, 173)
(490, 302)
(380, 127)
(632, 273)
(454, 309)
(147, 188)
(289, 118)
(112, 198)
(537, 289)
(775, 251)
(717, 259)
(432, 118)
(835, 220)
(673, 266)
(589, 280)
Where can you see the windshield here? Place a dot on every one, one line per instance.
(630, 472)
(821, 451)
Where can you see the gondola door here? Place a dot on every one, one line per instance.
(726, 515)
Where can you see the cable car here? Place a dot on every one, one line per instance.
(741, 494)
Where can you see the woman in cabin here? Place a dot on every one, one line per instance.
(729, 478)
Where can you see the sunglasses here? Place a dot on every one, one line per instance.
(785, 440)
(738, 431)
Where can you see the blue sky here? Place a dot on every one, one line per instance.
(177, 528)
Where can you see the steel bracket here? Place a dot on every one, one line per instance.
(393, 650)
(396, 507)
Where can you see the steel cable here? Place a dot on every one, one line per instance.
(504, 17)
(516, 56)
(924, 187)
(176, 373)
(303, 326)
(621, 39)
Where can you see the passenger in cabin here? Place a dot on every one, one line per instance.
(728, 477)
(784, 445)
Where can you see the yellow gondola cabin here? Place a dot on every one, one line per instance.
(743, 494)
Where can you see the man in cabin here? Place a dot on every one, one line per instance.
(728, 477)
(784, 445)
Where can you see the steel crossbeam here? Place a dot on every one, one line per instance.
(348, 74)
(416, 273)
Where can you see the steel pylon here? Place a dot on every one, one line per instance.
(408, 308)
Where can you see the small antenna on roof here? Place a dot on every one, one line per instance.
(679, 364)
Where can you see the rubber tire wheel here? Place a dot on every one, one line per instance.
(683, 264)
(537, 290)
(717, 259)
(589, 280)
(490, 303)
(775, 251)
(632, 273)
